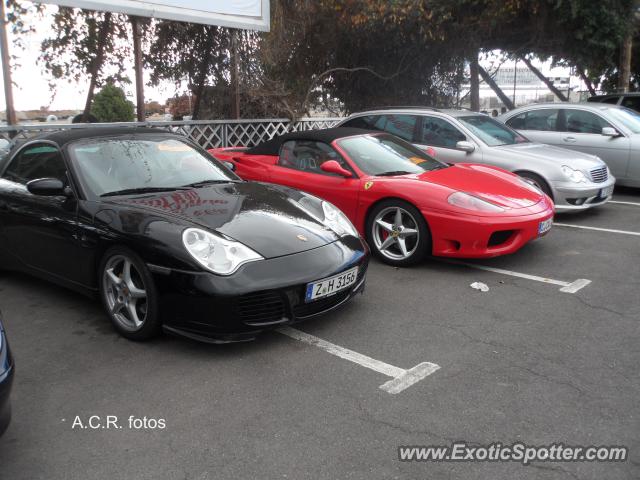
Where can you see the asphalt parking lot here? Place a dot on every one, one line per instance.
(524, 361)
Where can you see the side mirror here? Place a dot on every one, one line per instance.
(430, 151)
(47, 187)
(230, 165)
(609, 132)
(465, 146)
(331, 166)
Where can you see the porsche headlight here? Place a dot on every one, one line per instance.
(337, 221)
(574, 175)
(471, 202)
(215, 253)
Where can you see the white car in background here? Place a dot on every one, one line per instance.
(575, 181)
(608, 131)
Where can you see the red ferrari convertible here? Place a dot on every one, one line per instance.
(404, 202)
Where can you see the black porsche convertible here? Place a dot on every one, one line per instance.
(171, 238)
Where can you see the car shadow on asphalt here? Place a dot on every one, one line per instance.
(590, 214)
(86, 318)
(630, 191)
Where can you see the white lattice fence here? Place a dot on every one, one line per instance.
(207, 134)
(249, 134)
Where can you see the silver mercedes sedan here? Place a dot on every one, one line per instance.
(608, 131)
(574, 180)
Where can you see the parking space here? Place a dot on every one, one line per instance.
(521, 362)
(622, 215)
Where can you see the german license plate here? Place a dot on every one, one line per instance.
(606, 192)
(545, 226)
(331, 285)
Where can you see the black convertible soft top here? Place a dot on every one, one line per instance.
(62, 137)
(327, 135)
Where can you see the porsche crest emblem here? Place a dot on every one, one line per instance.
(368, 185)
(302, 238)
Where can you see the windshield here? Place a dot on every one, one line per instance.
(490, 131)
(627, 117)
(112, 165)
(387, 155)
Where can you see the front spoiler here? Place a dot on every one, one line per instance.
(259, 296)
(589, 194)
(248, 336)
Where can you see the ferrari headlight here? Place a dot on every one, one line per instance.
(574, 175)
(215, 253)
(471, 202)
(337, 221)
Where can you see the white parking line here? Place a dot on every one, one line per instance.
(401, 378)
(624, 203)
(610, 230)
(567, 287)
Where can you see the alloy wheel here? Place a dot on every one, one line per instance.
(125, 293)
(395, 233)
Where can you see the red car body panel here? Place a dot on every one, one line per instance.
(455, 232)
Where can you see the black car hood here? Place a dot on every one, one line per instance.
(266, 218)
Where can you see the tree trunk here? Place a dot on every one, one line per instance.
(137, 55)
(6, 69)
(624, 70)
(494, 86)
(96, 65)
(200, 84)
(201, 78)
(235, 82)
(544, 80)
(586, 80)
(474, 82)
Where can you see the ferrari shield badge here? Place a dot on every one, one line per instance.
(368, 185)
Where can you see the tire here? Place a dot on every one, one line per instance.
(131, 304)
(538, 181)
(415, 249)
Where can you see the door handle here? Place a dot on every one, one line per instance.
(569, 139)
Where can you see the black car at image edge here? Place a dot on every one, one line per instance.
(171, 238)
(6, 378)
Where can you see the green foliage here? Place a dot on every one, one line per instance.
(201, 56)
(17, 12)
(373, 53)
(69, 53)
(576, 33)
(181, 51)
(179, 106)
(111, 105)
(583, 34)
(192, 52)
(377, 52)
(350, 53)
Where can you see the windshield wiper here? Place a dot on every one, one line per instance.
(440, 167)
(210, 182)
(393, 172)
(129, 191)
